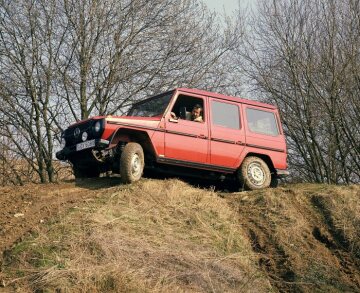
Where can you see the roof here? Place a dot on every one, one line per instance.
(225, 97)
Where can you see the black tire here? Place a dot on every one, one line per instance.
(81, 173)
(254, 174)
(131, 163)
(274, 181)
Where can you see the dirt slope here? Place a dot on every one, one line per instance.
(23, 208)
(168, 236)
(307, 237)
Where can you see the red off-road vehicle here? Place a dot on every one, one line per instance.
(233, 139)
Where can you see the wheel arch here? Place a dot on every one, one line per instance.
(264, 157)
(134, 135)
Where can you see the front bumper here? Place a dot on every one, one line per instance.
(282, 173)
(67, 152)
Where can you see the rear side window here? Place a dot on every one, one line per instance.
(262, 122)
(225, 115)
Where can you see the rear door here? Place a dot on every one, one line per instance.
(227, 134)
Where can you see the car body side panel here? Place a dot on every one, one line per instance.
(123, 125)
(278, 158)
(158, 139)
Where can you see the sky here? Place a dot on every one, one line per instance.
(228, 5)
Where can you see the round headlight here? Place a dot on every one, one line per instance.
(97, 126)
(84, 136)
(62, 143)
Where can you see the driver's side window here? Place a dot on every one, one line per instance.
(188, 108)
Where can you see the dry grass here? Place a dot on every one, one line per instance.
(167, 236)
(153, 236)
(19, 172)
(306, 236)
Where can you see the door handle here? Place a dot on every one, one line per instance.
(202, 136)
(239, 142)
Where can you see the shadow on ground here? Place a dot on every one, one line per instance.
(97, 183)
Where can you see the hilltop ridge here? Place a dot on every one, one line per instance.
(167, 235)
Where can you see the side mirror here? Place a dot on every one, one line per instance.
(173, 120)
(183, 113)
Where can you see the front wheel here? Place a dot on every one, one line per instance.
(254, 174)
(131, 163)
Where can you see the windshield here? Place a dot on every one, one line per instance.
(151, 107)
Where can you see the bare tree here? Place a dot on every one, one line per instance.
(27, 53)
(303, 56)
(116, 52)
(62, 61)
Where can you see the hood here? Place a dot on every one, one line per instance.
(86, 120)
(135, 120)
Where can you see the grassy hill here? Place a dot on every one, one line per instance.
(169, 236)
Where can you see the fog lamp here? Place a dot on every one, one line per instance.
(84, 136)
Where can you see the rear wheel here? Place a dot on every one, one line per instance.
(254, 174)
(131, 163)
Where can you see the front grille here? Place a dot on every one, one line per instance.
(87, 126)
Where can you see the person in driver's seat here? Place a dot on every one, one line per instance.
(196, 113)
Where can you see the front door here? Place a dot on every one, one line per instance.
(186, 131)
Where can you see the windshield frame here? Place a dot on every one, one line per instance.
(170, 95)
